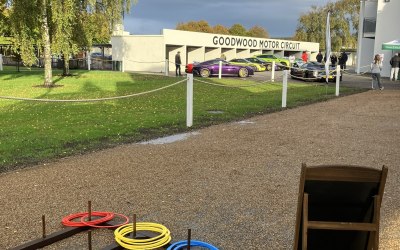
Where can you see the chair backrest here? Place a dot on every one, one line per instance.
(339, 193)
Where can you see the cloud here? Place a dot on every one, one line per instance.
(278, 17)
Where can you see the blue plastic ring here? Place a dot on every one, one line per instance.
(193, 243)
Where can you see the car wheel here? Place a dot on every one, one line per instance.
(284, 66)
(269, 67)
(306, 77)
(243, 72)
(205, 73)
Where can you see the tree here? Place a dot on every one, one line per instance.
(52, 25)
(4, 18)
(220, 29)
(343, 22)
(238, 30)
(258, 31)
(195, 26)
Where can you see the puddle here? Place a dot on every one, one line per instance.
(246, 122)
(215, 111)
(170, 139)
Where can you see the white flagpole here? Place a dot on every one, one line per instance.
(327, 47)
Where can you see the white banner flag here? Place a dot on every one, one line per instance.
(327, 47)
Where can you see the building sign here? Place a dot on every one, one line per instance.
(256, 43)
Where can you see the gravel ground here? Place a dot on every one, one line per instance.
(235, 185)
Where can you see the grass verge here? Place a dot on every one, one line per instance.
(32, 132)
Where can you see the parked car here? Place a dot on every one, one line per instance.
(211, 68)
(268, 65)
(98, 55)
(244, 62)
(312, 71)
(272, 58)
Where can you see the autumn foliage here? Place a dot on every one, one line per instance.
(236, 29)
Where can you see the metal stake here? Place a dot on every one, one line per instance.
(43, 226)
(189, 236)
(89, 210)
(90, 239)
(134, 226)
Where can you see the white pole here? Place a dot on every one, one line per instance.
(220, 70)
(189, 100)
(89, 61)
(122, 65)
(1, 62)
(166, 67)
(360, 35)
(273, 71)
(284, 88)
(337, 79)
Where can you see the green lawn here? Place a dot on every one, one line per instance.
(33, 132)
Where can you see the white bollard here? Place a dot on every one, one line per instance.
(122, 65)
(220, 70)
(189, 100)
(273, 72)
(337, 79)
(284, 88)
(166, 67)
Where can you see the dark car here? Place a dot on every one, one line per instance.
(268, 65)
(211, 68)
(312, 71)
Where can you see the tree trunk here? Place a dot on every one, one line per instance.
(48, 76)
(65, 65)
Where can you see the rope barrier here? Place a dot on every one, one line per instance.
(193, 243)
(144, 62)
(343, 71)
(158, 241)
(228, 86)
(91, 100)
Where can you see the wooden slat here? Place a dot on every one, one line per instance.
(343, 173)
(51, 238)
(352, 226)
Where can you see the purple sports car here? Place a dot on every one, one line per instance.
(211, 68)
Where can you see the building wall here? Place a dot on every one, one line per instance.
(387, 22)
(153, 53)
(387, 19)
(367, 55)
(139, 53)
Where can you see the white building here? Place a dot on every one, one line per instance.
(379, 23)
(156, 53)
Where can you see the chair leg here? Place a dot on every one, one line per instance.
(305, 222)
(373, 241)
(377, 205)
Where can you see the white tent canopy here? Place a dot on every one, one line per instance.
(392, 45)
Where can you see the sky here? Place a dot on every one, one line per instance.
(278, 17)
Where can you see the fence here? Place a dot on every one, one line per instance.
(80, 63)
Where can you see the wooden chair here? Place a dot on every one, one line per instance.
(339, 207)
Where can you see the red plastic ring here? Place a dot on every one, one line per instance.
(106, 216)
(89, 223)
